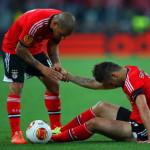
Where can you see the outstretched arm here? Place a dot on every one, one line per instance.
(86, 82)
(144, 113)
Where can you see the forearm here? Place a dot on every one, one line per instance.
(145, 115)
(85, 82)
(24, 54)
(144, 112)
(53, 53)
(54, 57)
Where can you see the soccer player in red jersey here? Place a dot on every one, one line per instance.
(24, 56)
(110, 120)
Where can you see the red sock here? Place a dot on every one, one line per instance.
(80, 119)
(78, 133)
(13, 109)
(53, 105)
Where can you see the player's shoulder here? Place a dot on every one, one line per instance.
(132, 67)
(133, 70)
(34, 16)
(134, 73)
(42, 11)
(133, 79)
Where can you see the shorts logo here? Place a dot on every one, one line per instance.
(14, 74)
(28, 39)
(49, 63)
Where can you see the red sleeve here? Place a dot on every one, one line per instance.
(135, 85)
(25, 37)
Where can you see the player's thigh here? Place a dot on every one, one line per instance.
(106, 110)
(14, 68)
(118, 130)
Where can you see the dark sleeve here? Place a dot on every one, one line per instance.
(136, 93)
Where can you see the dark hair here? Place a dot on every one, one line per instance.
(66, 21)
(102, 72)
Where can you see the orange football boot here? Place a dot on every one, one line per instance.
(18, 138)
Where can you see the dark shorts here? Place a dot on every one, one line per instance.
(16, 70)
(138, 130)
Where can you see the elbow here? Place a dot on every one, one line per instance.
(18, 49)
(17, 52)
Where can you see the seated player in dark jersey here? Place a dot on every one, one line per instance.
(110, 120)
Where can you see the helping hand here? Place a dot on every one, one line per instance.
(57, 67)
(65, 75)
(51, 74)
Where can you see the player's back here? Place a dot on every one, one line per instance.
(147, 87)
(35, 15)
(137, 78)
(145, 78)
(22, 24)
(137, 82)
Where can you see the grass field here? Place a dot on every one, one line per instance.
(74, 100)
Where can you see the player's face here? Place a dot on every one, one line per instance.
(113, 82)
(58, 33)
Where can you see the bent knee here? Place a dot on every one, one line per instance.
(91, 124)
(99, 107)
(15, 88)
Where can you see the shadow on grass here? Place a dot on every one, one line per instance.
(88, 142)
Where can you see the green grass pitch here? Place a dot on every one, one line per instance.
(74, 100)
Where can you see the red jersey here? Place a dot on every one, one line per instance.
(31, 29)
(137, 82)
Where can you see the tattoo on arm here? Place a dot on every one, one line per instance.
(24, 54)
(85, 82)
(81, 80)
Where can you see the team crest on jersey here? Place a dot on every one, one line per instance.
(14, 74)
(28, 39)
